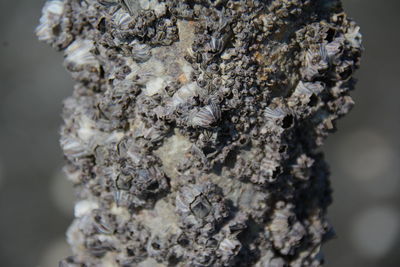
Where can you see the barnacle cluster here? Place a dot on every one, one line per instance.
(193, 129)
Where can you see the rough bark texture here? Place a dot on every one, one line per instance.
(193, 130)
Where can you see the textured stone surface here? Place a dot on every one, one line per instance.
(193, 130)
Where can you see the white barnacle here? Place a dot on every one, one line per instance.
(79, 55)
(154, 86)
(186, 196)
(308, 88)
(122, 198)
(277, 113)
(103, 225)
(140, 52)
(280, 222)
(84, 207)
(205, 116)
(185, 93)
(229, 247)
(323, 56)
(334, 48)
(87, 130)
(132, 6)
(216, 44)
(51, 15)
(315, 87)
(122, 18)
(158, 7)
(140, 75)
(149, 71)
(354, 36)
(301, 89)
(181, 205)
(73, 147)
(109, 3)
(316, 61)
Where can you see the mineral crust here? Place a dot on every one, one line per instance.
(193, 131)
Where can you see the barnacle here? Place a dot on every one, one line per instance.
(52, 12)
(192, 135)
(79, 55)
(276, 113)
(122, 18)
(316, 62)
(140, 52)
(205, 116)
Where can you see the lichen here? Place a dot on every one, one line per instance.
(192, 135)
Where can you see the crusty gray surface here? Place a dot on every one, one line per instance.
(193, 130)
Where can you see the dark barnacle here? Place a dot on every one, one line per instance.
(149, 182)
(193, 131)
(217, 44)
(199, 205)
(134, 185)
(132, 6)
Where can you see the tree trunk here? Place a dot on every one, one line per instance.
(192, 135)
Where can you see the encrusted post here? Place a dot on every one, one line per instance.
(192, 135)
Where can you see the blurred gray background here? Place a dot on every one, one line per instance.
(36, 200)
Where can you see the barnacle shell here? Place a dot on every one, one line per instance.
(205, 116)
(51, 17)
(199, 206)
(276, 113)
(140, 52)
(185, 93)
(230, 247)
(353, 35)
(122, 18)
(316, 61)
(73, 147)
(79, 55)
